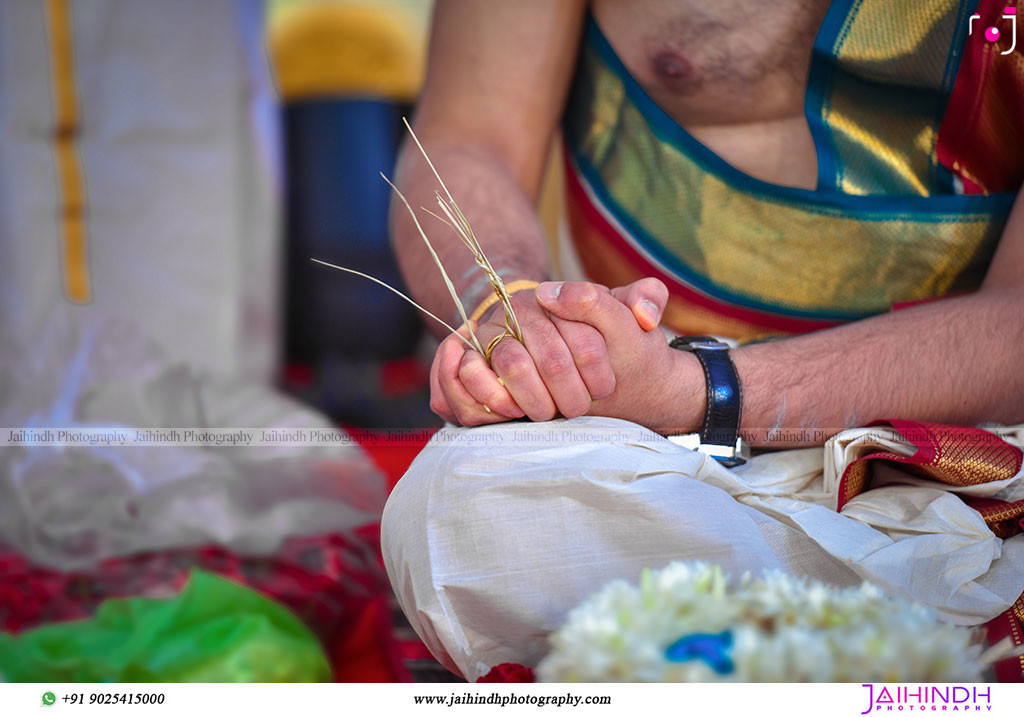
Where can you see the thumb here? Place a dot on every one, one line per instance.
(646, 298)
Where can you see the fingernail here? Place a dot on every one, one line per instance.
(549, 290)
(649, 310)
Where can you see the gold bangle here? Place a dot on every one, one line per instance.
(521, 285)
(493, 344)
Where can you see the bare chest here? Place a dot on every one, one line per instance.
(716, 61)
(733, 72)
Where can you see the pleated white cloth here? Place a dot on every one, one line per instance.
(495, 533)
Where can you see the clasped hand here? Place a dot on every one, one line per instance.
(586, 350)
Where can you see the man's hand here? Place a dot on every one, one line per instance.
(656, 386)
(562, 367)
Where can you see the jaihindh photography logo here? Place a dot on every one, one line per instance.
(927, 698)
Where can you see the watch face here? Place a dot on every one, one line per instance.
(709, 345)
(693, 343)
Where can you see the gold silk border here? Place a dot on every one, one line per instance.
(960, 463)
(959, 456)
(883, 103)
(603, 264)
(1017, 614)
(954, 455)
(769, 253)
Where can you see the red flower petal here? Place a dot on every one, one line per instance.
(508, 672)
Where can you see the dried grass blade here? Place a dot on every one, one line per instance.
(461, 226)
(393, 289)
(429, 163)
(440, 266)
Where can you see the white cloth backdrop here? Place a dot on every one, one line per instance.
(495, 533)
(70, 507)
(179, 153)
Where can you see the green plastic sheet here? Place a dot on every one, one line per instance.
(214, 630)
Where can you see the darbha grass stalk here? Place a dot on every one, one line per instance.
(457, 222)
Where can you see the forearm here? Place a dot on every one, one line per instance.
(497, 77)
(953, 361)
(501, 214)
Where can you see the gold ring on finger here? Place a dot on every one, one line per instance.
(494, 343)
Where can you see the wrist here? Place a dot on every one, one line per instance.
(684, 399)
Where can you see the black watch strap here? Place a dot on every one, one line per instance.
(724, 397)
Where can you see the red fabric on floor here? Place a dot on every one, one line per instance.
(392, 451)
(334, 583)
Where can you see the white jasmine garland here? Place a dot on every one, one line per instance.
(776, 628)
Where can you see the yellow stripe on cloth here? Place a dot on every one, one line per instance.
(74, 240)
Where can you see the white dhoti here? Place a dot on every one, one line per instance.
(495, 533)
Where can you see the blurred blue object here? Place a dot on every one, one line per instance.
(713, 649)
(337, 211)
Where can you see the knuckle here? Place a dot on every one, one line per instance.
(514, 365)
(449, 358)
(439, 406)
(540, 415)
(499, 399)
(630, 297)
(655, 289)
(587, 296)
(603, 384)
(576, 407)
(522, 301)
(557, 364)
(462, 416)
(589, 351)
(471, 372)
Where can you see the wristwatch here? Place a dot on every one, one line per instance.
(720, 432)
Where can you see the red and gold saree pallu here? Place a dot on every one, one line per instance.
(897, 216)
(958, 456)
